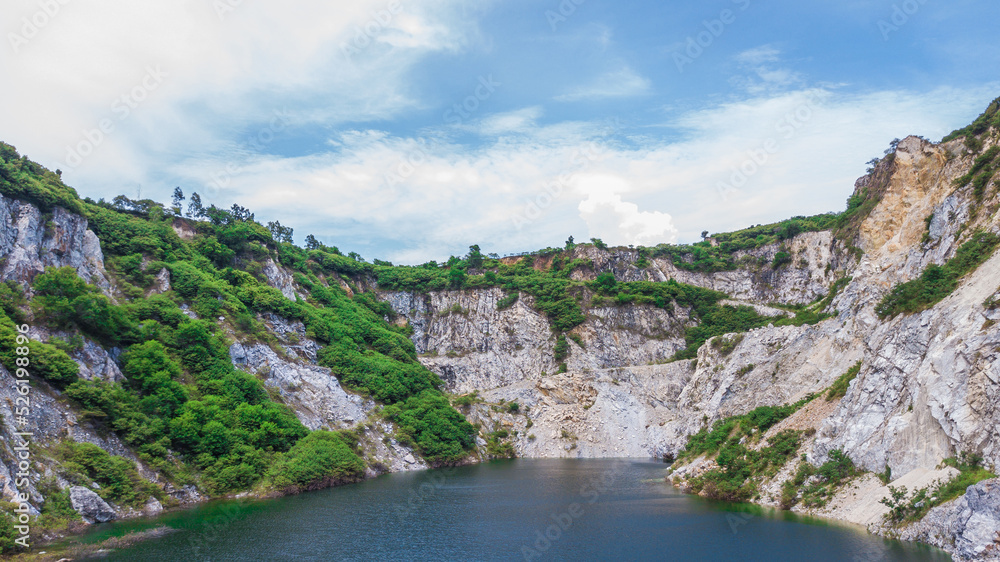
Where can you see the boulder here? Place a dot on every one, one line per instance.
(90, 506)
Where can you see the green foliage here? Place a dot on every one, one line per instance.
(781, 258)
(23, 179)
(937, 282)
(703, 256)
(498, 445)
(561, 349)
(120, 483)
(741, 468)
(731, 430)
(65, 301)
(832, 474)
(44, 360)
(839, 387)
(987, 119)
(441, 434)
(508, 300)
(7, 534)
(726, 344)
(320, 459)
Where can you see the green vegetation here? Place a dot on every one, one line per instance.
(7, 532)
(937, 282)
(22, 179)
(839, 387)
(498, 445)
(741, 468)
(987, 119)
(830, 475)
(184, 408)
(983, 169)
(83, 464)
(706, 257)
(47, 361)
(317, 460)
(731, 430)
(905, 507)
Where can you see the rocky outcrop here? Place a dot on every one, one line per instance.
(968, 527)
(90, 506)
(473, 346)
(30, 241)
(313, 392)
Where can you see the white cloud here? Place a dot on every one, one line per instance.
(518, 121)
(621, 83)
(413, 199)
(619, 222)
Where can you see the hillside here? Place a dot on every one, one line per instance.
(177, 353)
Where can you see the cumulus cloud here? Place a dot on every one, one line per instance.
(619, 222)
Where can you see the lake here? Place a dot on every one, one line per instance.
(534, 509)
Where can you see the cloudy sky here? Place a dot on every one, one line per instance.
(409, 129)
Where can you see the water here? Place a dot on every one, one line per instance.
(589, 509)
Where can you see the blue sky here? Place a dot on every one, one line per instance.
(633, 121)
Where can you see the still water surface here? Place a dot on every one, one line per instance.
(536, 509)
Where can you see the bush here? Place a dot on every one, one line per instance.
(85, 463)
(45, 361)
(442, 435)
(320, 459)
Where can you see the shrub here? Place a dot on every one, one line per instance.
(84, 463)
(320, 459)
(839, 387)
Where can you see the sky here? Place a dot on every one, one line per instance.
(407, 130)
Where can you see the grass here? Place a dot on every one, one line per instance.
(839, 387)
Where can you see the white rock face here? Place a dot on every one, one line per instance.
(29, 243)
(313, 392)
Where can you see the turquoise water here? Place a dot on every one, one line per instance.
(593, 509)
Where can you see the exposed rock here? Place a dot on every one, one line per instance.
(31, 241)
(313, 392)
(90, 506)
(152, 506)
(96, 363)
(280, 279)
(968, 527)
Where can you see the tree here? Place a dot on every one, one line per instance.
(569, 243)
(355, 256)
(195, 209)
(177, 201)
(280, 233)
(704, 234)
(241, 213)
(599, 244)
(312, 243)
(475, 257)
